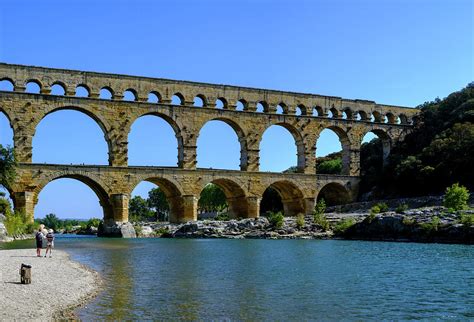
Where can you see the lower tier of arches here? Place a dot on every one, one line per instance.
(243, 190)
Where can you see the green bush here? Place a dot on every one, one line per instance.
(300, 221)
(432, 226)
(222, 216)
(456, 197)
(93, 222)
(320, 207)
(370, 217)
(375, 210)
(15, 223)
(466, 219)
(343, 225)
(401, 208)
(276, 219)
(322, 221)
(382, 206)
(407, 221)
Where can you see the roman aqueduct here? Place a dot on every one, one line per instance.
(249, 111)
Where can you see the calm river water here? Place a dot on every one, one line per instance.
(210, 279)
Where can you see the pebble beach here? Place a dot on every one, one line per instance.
(59, 285)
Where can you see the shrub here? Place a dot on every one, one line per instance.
(320, 207)
(456, 197)
(322, 221)
(300, 221)
(276, 219)
(466, 219)
(15, 223)
(93, 222)
(401, 208)
(432, 226)
(370, 217)
(342, 226)
(382, 206)
(375, 210)
(222, 216)
(407, 221)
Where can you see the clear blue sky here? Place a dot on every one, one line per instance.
(401, 52)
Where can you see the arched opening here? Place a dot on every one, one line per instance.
(70, 136)
(318, 111)
(220, 144)
(58, 89)
(281, 109)
(33, 87)
(347, 114)
(262, 107)
(403, 119)
(156, 199)
(334, 194)
(221, 103)
(361, 116)
(149, 202)
(300, 110)
(130, 95)
(73, 198)
(199, 101)
(82, 91)
(376, 117)
(283, 196)
(7, 85)
(241, 105)
(106, 93)
(281, 149)
(154, 97)
(330, 152)
(390, 118)
(154, 140)
(222, 199)
(177, 99)
(333, 113)
(6, 131)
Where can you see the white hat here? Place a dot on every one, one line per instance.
(51, 231)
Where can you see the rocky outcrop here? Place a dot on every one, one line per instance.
(236, 229)
(114, 229)
(433, 224)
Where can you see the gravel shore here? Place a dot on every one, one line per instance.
(59, 285)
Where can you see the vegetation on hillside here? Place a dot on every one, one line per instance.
(438, 152)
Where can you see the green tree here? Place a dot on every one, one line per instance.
(456, 197)
(158, 202)
(330, 164)
(52, 221)
(138, 209)
(7, 166)
(212, 199)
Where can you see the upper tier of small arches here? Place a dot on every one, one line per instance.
(112, 87)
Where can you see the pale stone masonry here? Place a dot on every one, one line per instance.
(113, 184)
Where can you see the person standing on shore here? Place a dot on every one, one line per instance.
(49, 243)
(39, 241)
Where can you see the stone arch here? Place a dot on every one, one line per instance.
(241, 135)
(133, 92)
(292, 197)
(33, 81)
(4, 112)
(157, 94)
(362, 116)
(9, 80)
(284, 108)
(335, 113)
(302, 108)
(176, 126)
(235, 196)
(180, 97)
(109, 90)
(90, 180)
(318, 111)
(345, 144)
(172, 190)
(202, 98)
(299, 142)
(61, 84)
(386, 141)
(265, 107)
(95, 117)
(224, 102)
(348, 112)
(245, 105)
(334, 193)
(82, 85)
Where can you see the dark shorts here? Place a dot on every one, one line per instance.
(39, 244)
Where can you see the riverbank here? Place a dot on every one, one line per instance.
(59, 285)
(428, 224)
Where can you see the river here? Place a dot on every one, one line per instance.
(216, 279)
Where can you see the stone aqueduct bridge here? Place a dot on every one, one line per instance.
(113, 184)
